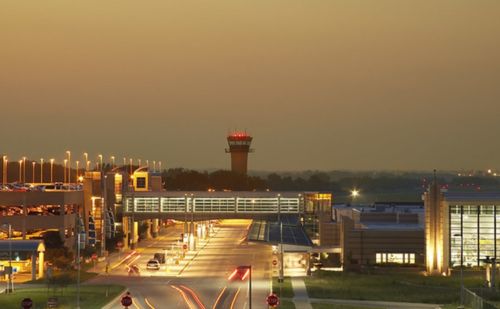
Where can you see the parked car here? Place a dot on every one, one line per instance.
(153, 265)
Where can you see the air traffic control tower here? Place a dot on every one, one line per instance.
(239, 147)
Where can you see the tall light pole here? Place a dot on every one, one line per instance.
(10, 287)
(88, 166)
(51, 170)
(4, 169)
(20, 170)
(77, 165)
(86, 156)
(154, 166)
(131, 161)
(41, 170)
(24, 173)
(354, 195)
(124, 161)
(159, 166)
(69, 165)
(112, 162)
(65, 163)
(100, 162)
(147, 164)
(33, 172)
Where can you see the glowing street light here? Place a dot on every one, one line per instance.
(354, 195)
(33, 172)
(24, 173)
(159, 166)
(131, 161)
(88, 165)
(112, 161)
(65, 163)
(77, 165)
(100, 162)
(4, 169)
(20, 170)
(86, 155)
(51, 170)
(41, 170)
(69, 165)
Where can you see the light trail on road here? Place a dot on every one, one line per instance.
(195, 297)
(235, 297)
(149, 304)
(183, 296)
(219, 297)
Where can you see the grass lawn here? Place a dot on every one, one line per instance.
(389, 287)
(286, 288)
(335, 306)
(286, 304)
(71, 274)
(91, 297)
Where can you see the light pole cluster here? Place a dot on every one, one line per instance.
(67, 166)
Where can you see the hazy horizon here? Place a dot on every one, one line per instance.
(321, 85)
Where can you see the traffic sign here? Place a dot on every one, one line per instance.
(27, 303)
(275, 262)
(273, 300)
(184, 246)
(126, 300)
(119, 244)
(94, 256)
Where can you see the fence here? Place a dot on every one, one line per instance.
(472, 300)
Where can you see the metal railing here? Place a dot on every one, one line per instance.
(212, 205)
(473, 301)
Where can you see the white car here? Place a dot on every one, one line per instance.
(153, 265)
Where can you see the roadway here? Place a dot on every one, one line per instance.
(201, 281)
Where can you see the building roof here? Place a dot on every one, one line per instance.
(217, 194)
(392, 226)
(22, 245)
(269, 231)
(472, 196)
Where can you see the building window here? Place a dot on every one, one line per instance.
(395, 258)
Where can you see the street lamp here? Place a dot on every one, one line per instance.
(154, 166)
(20, 170)
(65, 163)
(4, 169)
(130, 160)
(51, 170)
(33, 172)
(139, 162)
(69, 165)
(10, 283)
(41, 170)
(24, 174)
(159, 166)
(77, 165)
(461, 265)
(100, 162)
(112, 162)
(86, 155)
(88, 165)
(354, 195)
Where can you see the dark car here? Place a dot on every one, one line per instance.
(160, 257)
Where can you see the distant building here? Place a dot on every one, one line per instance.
(239, 147)
(451, 215)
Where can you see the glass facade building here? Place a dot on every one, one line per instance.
(480, 229)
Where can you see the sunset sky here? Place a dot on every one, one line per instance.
(320, 84)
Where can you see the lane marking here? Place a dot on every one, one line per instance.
(235, 297)
(183, 296)
(135, 304)
(149, 304)
(219, 297)
(195, 296)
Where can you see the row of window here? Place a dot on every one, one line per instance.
(396, 258)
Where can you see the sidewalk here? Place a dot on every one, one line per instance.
(301, 298)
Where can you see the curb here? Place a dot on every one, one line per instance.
(116, 299)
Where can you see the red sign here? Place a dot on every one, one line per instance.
(126, 300)
(27, 303)
(275, 262)
(273, 300)
(119, 244)
(94, 256)
(184, 246)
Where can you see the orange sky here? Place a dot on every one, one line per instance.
(320, 84)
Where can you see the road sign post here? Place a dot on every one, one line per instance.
(272, 300)
(126, 300)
